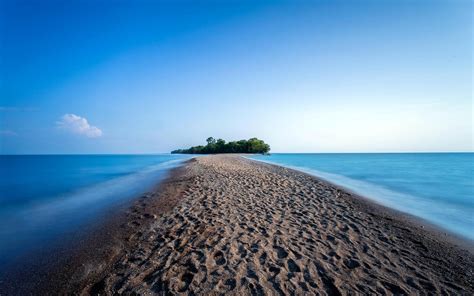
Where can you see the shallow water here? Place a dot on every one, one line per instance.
(438, 187)
(45, 198)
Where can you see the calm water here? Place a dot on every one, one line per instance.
(438, 187)
(43, 198)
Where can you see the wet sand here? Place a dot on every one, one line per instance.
(228, 225)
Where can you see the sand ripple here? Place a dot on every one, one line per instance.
(247, 228)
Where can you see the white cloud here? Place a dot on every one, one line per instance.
(78, 125)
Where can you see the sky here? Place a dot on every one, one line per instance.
(305, 76)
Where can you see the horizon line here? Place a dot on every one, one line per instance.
(161, 153)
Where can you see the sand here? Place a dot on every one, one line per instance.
(224, 224)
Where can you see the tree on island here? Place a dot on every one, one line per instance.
(252, 145)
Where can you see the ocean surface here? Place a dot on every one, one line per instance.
(46, 198)
(438, 187)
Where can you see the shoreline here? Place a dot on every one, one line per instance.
(68, 265)
(130, 242)
(421, 223)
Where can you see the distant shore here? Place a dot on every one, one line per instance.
(226, 224)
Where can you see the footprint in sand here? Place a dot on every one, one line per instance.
(219, 258)
(292, 266)
(282, 254)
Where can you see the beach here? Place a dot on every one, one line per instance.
(224, 224)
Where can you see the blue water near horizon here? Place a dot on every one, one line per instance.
(438, 187)
(47, 197)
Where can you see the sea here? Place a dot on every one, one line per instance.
(437, 187)
(45, 199)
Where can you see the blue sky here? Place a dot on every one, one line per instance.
(321, 76)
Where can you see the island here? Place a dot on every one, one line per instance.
(252, 145)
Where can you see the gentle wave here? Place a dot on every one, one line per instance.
(112, 190)
(41, 221)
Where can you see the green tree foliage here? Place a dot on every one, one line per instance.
(252, 145)
(210, 141)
